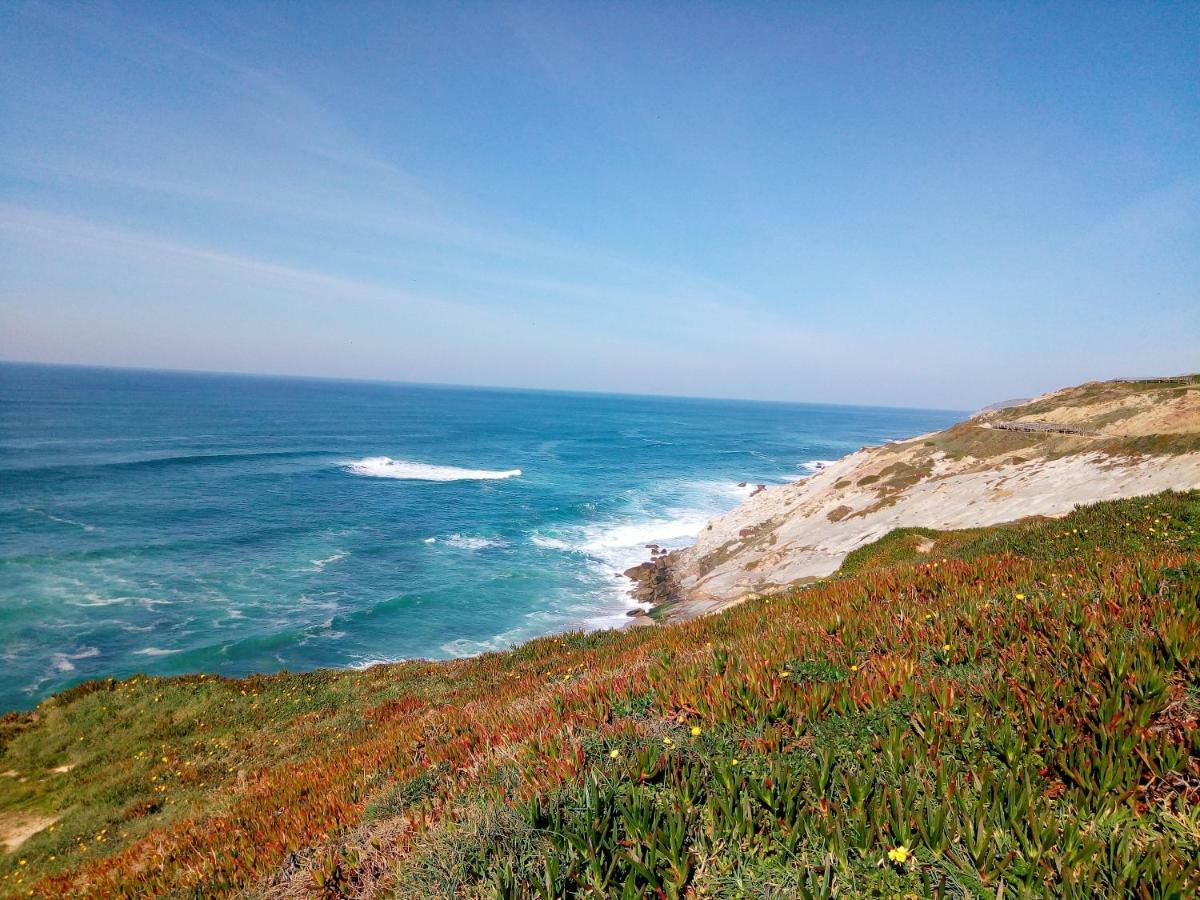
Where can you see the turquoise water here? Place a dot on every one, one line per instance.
(166, 523)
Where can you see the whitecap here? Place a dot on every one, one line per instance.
(155, 651)
(386, 467)
(320, 564)
(65, 662)
(469, 542)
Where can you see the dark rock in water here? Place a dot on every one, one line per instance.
(758, 489)
(741, 484)
(652, 546)
(640, 571)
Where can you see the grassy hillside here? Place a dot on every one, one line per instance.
(1007, 711)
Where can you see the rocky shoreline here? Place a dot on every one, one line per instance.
(1109, 440)
(657, 585)
(654, 586)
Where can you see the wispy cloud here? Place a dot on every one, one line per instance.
(316, 172)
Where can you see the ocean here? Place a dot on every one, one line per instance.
(167, 522)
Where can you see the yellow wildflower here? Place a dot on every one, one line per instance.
(854, 668)
(733, 762)
(1020, 596)
(899, 855)
(614, 754)
(945, 648)
(695, 731)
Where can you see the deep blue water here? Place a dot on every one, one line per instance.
(167, 522)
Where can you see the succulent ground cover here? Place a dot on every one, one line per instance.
(997, 712)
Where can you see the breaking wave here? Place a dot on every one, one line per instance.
(386, 467)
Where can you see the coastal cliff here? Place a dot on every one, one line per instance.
(1039, 457)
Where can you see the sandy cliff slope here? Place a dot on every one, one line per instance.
(1099, 441)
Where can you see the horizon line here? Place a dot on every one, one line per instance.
(459, 385)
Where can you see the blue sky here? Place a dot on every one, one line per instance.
(897, 203)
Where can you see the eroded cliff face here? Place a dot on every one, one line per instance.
(1099, 441)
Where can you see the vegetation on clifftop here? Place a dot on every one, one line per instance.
(1006, 710)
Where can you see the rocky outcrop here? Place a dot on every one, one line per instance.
(654, 580)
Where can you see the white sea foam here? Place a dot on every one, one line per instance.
(469, 542)
(431, 540)
(816, 465)
(320, 564)
(610, 547)
(550, 543)
(65, 662)
(386, 467)
(154, 651)
(614, 539)
(621, 543)
(323, 631)
(464, 647)
(151, 602)
(502, 641)
(668, 516)
(97, 600)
